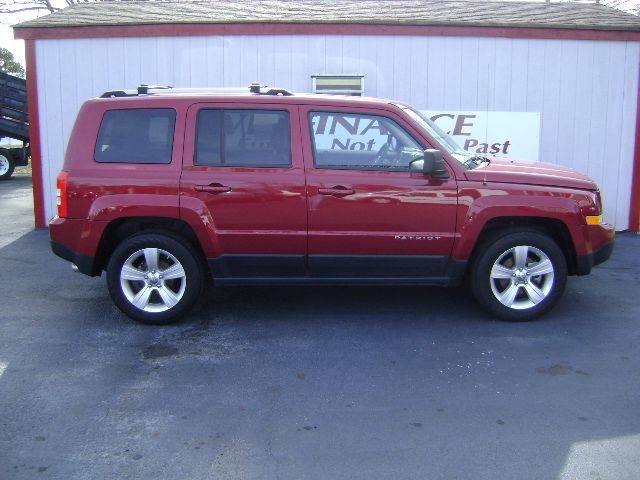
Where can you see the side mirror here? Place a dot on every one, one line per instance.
(431, 164)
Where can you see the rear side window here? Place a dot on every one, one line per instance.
(243, 138)
(136, 136)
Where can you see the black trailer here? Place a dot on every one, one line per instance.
(14, 123)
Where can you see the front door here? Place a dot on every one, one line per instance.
(368, 214)
(243, 177)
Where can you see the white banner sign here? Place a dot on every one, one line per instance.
(514, 135)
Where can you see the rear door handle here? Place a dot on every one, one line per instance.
(213, 188)
(337, 191)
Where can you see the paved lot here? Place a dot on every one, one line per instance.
(309, 383)
(16, 208)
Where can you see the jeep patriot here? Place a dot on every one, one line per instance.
(169, 192)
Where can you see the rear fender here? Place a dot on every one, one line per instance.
(113, 207)
(194, 212)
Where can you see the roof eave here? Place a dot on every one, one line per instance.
(483, 29)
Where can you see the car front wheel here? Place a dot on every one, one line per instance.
(519, 276)
(154, 278)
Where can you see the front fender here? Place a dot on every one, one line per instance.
(479, 204)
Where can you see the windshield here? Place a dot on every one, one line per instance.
(443, 138)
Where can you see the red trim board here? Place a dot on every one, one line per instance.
(634, 216)
(34, 133)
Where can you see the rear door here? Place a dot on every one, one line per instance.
(368, 214)
(243, 176)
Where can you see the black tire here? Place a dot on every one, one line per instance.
(185, 285)
(7, 164)
(529, 295)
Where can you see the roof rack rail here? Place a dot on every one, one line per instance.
(144, 89)
(258, 89)
(118, 93)
(141, 90)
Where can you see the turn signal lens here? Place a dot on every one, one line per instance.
(61, 195)
(594, 219)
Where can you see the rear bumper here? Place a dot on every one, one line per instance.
(85, 264)
(77, 241)
(602, 241)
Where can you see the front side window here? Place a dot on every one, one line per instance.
(361, 142)
(243, 138)
(136, 136)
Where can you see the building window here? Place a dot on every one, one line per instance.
(338, 84)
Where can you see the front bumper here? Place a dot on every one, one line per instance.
(601, 239)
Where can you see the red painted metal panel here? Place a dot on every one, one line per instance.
(264, 210)
(34, 134)
(170, 30)
(383, 205)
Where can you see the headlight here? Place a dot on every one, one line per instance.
(599, 201)
(593, 213)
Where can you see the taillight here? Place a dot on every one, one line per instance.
(61, 195)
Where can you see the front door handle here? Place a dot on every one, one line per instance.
(337, 191)
(213, 188)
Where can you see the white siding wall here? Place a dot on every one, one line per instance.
(586, 91)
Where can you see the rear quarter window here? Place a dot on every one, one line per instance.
(243, 138)
(136, 136)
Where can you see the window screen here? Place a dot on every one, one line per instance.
(361, 142)
(252, 138)
(136, 136)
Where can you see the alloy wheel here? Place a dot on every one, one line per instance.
(522, 277)
(153, 280)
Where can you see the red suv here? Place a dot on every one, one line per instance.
(165, 191)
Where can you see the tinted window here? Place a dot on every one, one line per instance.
(136, 136)
(252, 138)
(361, 142)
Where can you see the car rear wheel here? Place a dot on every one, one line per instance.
(519, 276)
(154, 278)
